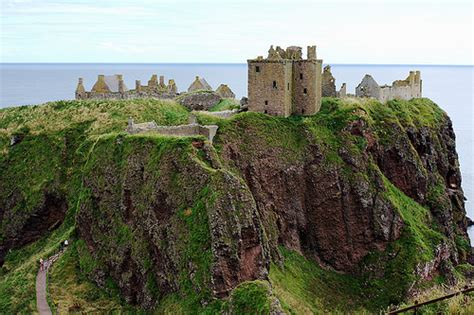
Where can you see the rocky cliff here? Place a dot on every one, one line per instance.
(365, 197)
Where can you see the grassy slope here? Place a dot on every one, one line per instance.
(301, 285)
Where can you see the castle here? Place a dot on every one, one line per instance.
(402, 89)
(113, 87)
(284, 83)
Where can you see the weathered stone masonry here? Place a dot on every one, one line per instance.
(406, 89)
(191, 129)
(113, 87)
(284, 83)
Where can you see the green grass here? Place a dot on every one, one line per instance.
(18, 276)
(225, 104)
(250, 297)
(71, 291)
(104, 115)
(303, 287)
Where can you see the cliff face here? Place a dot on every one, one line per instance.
(162, 216)
(369, 192)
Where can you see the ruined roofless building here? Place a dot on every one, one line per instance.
(199, 84)
(113, 87)
(406, 89)
(284, 83)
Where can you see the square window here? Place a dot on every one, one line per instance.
(305, 91)
(301, 76)
(266, 102)
(274, 84)
(257, 69)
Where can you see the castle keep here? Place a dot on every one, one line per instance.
(284, 83)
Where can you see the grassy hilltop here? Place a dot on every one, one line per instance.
(347, 210)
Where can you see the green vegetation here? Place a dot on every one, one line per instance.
(103, 115)
(18, 274)
(251, 297)
(225, 104)
(71, 291)
(71, 148)
(303, 287)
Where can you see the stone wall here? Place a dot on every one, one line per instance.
(113, 87)
(189, 130)
(269, 86)
(328, 83)
(406, 89)
(306, 87)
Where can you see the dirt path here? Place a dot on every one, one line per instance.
(41, 303)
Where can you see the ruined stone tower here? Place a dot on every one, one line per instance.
(284, 83)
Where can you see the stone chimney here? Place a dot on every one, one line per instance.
(417, 77)
(411, 77)
(342, 92)
(311, 52)
(121, 88)
(80, 90)
(162, 81)
(138, 86)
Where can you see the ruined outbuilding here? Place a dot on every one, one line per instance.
(199, 84)
(113, 87)
(284, 83)
(224, 91)
(406, 89)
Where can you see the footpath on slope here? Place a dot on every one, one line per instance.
(41, 302)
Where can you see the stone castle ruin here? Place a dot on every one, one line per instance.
(329, 84)
(113, 87)
(284, 83)
(406, 89)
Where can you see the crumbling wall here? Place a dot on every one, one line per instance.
(406, 89)
(189, 130)
(328, 83)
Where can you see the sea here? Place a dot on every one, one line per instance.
(451, 87)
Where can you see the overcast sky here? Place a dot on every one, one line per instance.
(154, 31)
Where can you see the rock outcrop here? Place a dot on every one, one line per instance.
(200, 100)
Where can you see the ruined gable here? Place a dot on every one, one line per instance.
(224, 91)
(406, 89)
(199, 84)
(368, 87)
(113, 87)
